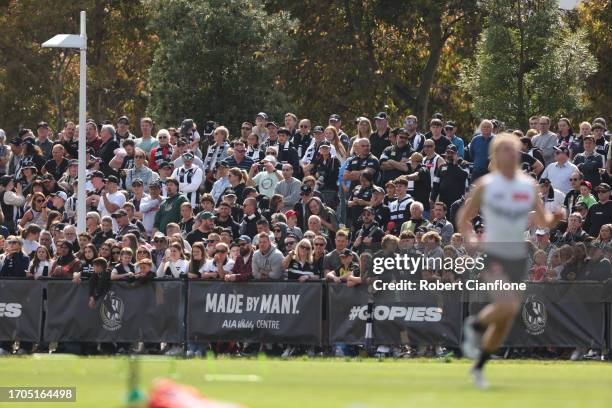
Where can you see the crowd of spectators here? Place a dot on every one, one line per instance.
(297, 201)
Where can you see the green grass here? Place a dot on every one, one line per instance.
(101, 382)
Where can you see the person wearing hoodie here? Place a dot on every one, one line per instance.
(280, 233)
(329, 220)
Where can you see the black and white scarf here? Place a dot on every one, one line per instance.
(215, 155)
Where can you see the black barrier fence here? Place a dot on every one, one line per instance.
(559, 314)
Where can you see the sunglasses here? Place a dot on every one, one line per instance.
(12, 242)
(159, 240)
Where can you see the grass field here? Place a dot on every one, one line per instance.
(101, 382)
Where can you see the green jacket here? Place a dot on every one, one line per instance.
(169, 211)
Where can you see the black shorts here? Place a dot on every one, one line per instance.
(515, 270)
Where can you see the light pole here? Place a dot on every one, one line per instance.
(80, 42)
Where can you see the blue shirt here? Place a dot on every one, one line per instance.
(479, 152)
(457, 141)
(245, 164)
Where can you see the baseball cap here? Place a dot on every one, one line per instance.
(97, 173)
(123, 119)
(346, 252)
(119, 213)
(587, 184)
(230, 191)
(305, 189)
(48, 177)
(16, 141)
(205, 215)
(291, 213)
(542, 231)
(597, 125)
(137, 182)
(368, 209)
(325, 143)
(450, 125)
(273, 124)
(42, 124)
(284, 131)
(334, 117)
(112, 179)
(264, 115)
(451, 148)
(165, 165)
(379, 190)
(603, 188)
(155, 184)
(544, 180)
(245, 238)
(73, 162)
(61, 195)
(270, 159)
(317, 129)
(187, 156)
(381, 115)
(562, 149)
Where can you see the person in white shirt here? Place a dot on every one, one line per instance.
(267, 179)
(189, 178)
(552, 197)
(149, 205)
(174, 264)
(111, 200)
(220, 264)
(560, 171)
(313, 149)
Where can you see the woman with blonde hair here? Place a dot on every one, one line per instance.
(364, 129)
(299, 262)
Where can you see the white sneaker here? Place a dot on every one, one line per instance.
(288, 352)
(576, 355)
(478, 378)
(174, 351)
(471, 339)
(338, 352)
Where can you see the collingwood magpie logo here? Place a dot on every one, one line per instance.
(111, 311)
(534, 315)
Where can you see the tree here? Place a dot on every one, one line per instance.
(42, 84)
(217, 60)
(596, 18)
(527, 62)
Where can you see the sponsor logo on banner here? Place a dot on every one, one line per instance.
(111, 311)
(408, 314)
(10, 309)
(534, 315)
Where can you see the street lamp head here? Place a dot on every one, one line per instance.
(66, 41)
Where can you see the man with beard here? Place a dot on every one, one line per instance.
(204, 226)
(225, 220)
(394, 159)
(370, 235)
(242, 269)
(440, 224)
(170, 209)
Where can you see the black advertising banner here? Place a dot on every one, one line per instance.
(20, 310)
(149, 312)
(568, 314)
(399, 317)
(255, 312)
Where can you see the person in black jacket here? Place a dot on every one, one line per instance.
(15, 263)
(287, 153)
(251, 216)
(600, 213)
(450, 183)
(99, 281)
